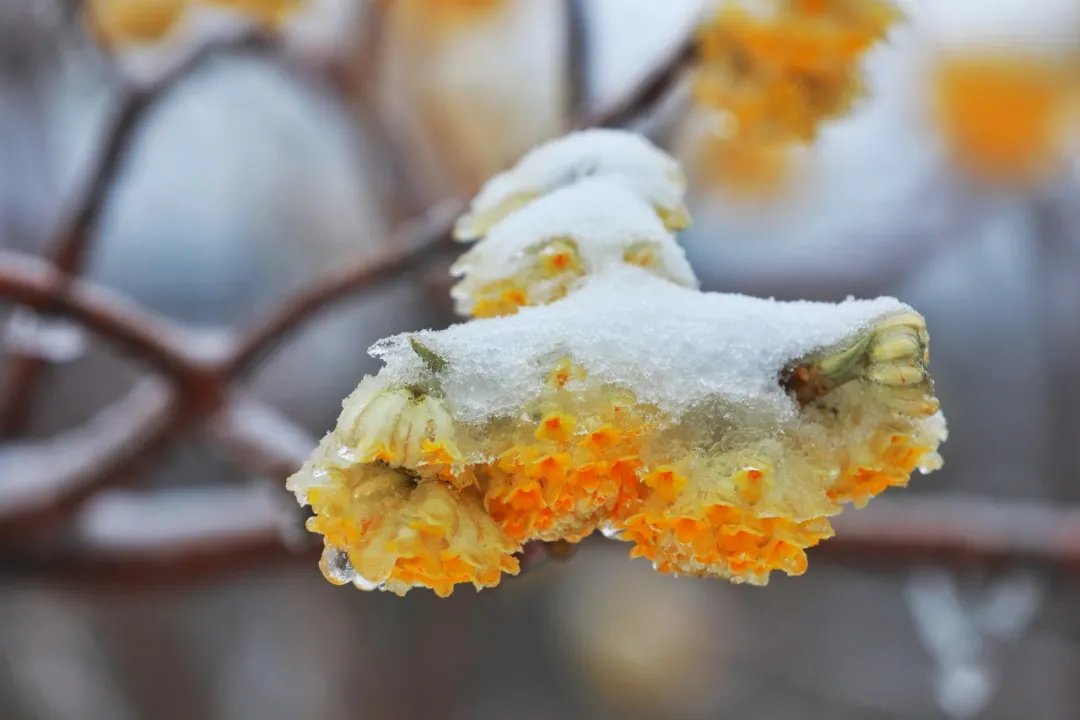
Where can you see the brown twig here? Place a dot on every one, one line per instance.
(959, 531)
(30, 282)
(419, 241)
(649, 93)
(166, 537)
(43, 481)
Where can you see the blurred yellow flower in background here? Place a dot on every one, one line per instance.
(1007, 118)
(771, 73)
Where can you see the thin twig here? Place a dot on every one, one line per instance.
(28, 281)
(259, 438)
(42, 481)
(168, 537)
(420, 241)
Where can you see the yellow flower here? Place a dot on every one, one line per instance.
(693, 494)
(398, 426)
(1007, 119)
(123, 22)
(383, 529)
(569, 474)
(772, 73)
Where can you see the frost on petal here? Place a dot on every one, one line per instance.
(651, 174)
(542, 252)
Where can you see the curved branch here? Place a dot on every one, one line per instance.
(420, 241)
(28, 281)
(169, 536)
(44, 480)
(649, 92)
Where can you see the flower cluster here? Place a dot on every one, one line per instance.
(772, 72)
(138, 22)
(715, 433)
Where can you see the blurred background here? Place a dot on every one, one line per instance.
(256, 151)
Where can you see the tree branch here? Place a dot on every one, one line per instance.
(420, 241)
(168, 537)
(648, 93)
(43, 481)
(33, 283)
(958, 530)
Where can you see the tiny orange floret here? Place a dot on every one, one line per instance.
(749, 485)
(666, 482)
(556, 426)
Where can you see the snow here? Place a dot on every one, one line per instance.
(629, 159)
(602, 216)
(55, 340)
(673, 346)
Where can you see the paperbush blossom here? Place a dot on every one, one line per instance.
(717, 434)
(772, 72)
